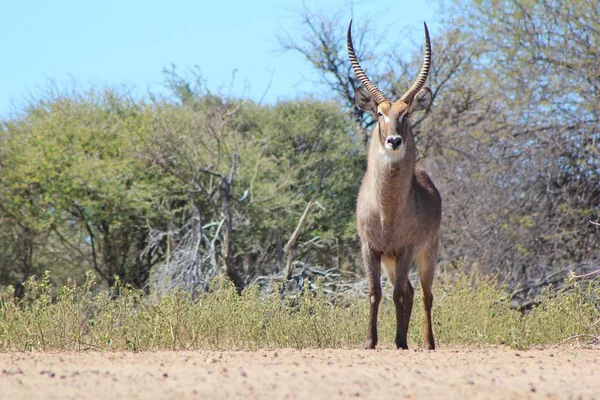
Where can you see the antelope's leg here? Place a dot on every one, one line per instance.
(408, 305)
(403, 297)
(426, 266)
(372, 263)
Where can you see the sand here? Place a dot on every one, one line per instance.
(304, 374)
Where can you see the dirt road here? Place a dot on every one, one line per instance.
(306, 374)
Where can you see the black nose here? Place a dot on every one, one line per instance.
(394, 141)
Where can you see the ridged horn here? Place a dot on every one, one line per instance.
(410, 93)
(360, 74)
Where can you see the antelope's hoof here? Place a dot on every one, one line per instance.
(401, 343)
(370, 344)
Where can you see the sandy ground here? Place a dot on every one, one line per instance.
(307, 374)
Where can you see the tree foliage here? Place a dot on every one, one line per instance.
(75, 194)
(537, 63)
(182, 188)
(274, 160)
(512, 136)
(173, 190)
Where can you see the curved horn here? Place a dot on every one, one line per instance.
(410, 93)
(360, 74)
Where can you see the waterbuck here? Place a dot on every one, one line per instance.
(399, 209)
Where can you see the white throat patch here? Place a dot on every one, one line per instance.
(392, 156)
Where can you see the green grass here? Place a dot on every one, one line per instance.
(73, 317)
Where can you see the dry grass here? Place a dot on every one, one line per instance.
(74, 317)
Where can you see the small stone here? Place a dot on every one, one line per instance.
(211, 360)
(17, 371)
(49, 373)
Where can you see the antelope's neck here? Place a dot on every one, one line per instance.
(392, 184)
(391, 174)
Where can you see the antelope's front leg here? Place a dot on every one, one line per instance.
(426, 266)
(403, 298)
(372, 263)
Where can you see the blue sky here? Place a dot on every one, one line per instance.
(96, 43)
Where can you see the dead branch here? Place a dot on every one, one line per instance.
(289, 247)
(585, 275)
(595, 340)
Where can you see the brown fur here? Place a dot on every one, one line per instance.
(398, 215)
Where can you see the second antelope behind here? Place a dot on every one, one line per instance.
(399, 210)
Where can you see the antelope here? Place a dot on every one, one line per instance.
(399, 209)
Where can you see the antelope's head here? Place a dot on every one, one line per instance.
(393, 123)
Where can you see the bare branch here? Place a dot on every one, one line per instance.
(289, 247)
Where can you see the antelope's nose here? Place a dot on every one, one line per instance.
(394, 142)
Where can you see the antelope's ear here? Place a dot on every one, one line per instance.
(364, 101)
(422, 100)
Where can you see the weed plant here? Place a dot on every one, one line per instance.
(467, 311)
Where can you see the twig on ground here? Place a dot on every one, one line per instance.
(585, 275)
(595, 341)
